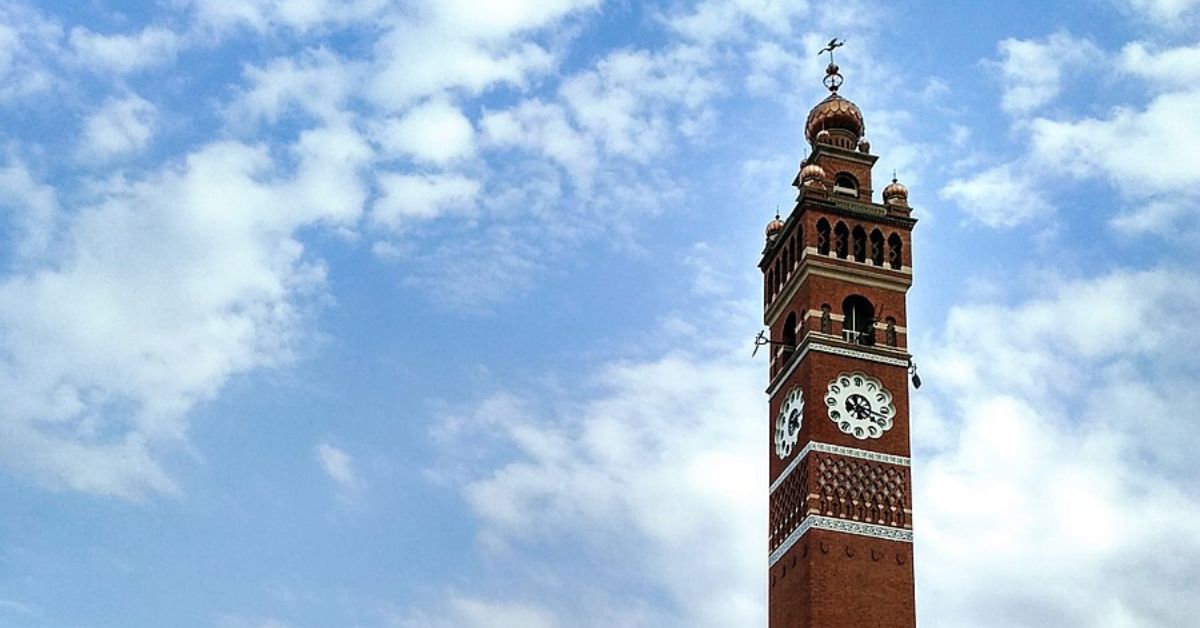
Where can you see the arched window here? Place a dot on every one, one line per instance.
(778, 274)
(877, 247)
(841, 237)
(895, 251)
(860, 244)
(823, 236)
(799, 244)
(789, 332)
(845, 183)
(787, 262)
(858, 327)
(769, 287)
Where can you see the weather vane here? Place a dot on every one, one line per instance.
(833, 79)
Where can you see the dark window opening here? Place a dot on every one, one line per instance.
(858, 326)
(841, 237)
(860, 244)
(877, 248)
(895, 251)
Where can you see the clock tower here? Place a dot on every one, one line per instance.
(836, 272)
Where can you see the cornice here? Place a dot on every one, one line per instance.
(838, 525)
(823, 343)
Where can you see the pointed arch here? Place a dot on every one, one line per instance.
(859, 241)
(895, 251)
(823, 236)
(799, 242)
(841, 240)
(876, 251)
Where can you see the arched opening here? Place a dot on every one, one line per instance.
(769, 287)
(858, 326)
(895, 251)
(845, 183)
(789, 332)
(860, 244)
(798, 244)
(877, 247)
(823, 236)
(841, 237)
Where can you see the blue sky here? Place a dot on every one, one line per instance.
(439, 314)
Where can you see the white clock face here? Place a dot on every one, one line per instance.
(860, 405)
(787, 426)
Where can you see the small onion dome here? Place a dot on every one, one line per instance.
(774, 227)
(895, 193)
(864, 145)
(812, 173)
(834, 112)
(824, 136)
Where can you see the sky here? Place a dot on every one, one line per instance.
(438, 314)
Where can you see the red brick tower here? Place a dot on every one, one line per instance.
(836, 273)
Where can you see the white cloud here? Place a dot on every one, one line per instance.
(654, 459)
(544, 128)
(28, 42)
(1003, 196)
(453, 45)
(1165, 13)
(33, 207)
(714, 20)
(316, 82)
(122, 54)
(466, 612)
(1177, 68)
(772, 67)
(165, 288)
(119, 128)
(635, 102)
(265, 15)
(1033, 72)
(415, 196)
(338, 465)
(435, 132)
(1050, 450)
(1127, 148)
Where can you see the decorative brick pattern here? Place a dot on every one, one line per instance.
(835, 486)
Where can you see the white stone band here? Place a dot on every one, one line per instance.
(839, 525)
(850, 452)
(814, 345)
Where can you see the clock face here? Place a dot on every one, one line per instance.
(787, 426)
(860, 405)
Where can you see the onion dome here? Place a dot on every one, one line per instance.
(774, 227)
(895, 193)
(864, 145)
(834, 114)
(812, 173)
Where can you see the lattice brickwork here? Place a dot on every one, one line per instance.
(838, 486)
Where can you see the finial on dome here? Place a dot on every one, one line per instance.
(895, 193)
(775, 226)
(833, 78)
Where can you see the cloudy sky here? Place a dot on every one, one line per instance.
(437, 314)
